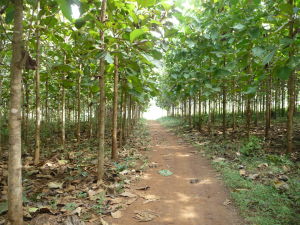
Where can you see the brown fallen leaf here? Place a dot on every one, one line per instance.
(227, 202)
(242, 172)
(115, 201)
(116, 215)
(103, 222)
(128, 194)
(77, 211)
(145, 215)
(143, 188)
(55, 185)
(130, 201)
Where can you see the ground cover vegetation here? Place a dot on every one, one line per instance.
(263, 185)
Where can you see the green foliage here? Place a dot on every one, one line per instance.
(70, 206)
(252, 147)
(99, 207)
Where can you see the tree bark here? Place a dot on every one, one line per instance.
(123, 130)
(15, 207)
(37, 95)
(268, 107)
(78, 105)
(291, 90)
(224, 111)
(100, 171)
(1, 107)
(200, 112)
(63, 116)
(114, 152)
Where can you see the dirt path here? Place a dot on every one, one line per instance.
(181, 202)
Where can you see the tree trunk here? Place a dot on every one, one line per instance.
(1, 107)
(101, 153)
(268, 107)
(248, 115)
(15, 207)
(123, 130)
(114, 152)
(190, 112)
(78, 105)
(37, 95)
(291, 90)
(200, 113)
(90, 109)
(224, 111)
(63, 116)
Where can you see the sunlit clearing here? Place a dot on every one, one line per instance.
(75, 11)
(154, 112)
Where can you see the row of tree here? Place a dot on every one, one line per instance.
(235, 57)
(95, 71)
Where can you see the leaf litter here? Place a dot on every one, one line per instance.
(64, 187)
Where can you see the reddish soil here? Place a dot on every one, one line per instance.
(183, 200)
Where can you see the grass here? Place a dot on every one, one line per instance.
(262, 201)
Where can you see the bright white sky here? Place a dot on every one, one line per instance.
(154, 112)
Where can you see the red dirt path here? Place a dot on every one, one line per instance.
(181, 202)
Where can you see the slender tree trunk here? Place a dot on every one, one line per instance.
(209, 124)
(78, 105)
(90, 109)
(248, 113)
(291, 90)
(128, 126)
(268, 107)
(224, 111)
(1, 117)
(200, 113)
(63, 116)
(102, 99)
(121, 117)
(123, 130)
(190, 112)
(46, 102)
(194, 111)
(114, 152)
(37, 95)
(282, 99)
(15, 207)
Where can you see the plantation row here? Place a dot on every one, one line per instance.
(236, 59)
(78, 70)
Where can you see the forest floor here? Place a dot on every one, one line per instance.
(179, 188)
(167, 173)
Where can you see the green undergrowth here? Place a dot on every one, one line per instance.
(265, 187)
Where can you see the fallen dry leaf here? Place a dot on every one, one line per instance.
(143, 188)
(128, 194)
(145, 215)
(116, 215)
(115, 201)
(55, 185)
(150, 198)
(242, 172)
(227, 202)
(130, 201)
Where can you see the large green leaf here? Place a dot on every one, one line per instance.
(268, 58)
(146, 3)
(258, 51)
(137, 33)
(283, 72)
(65, 7)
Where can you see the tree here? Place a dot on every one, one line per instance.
(15, 207)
